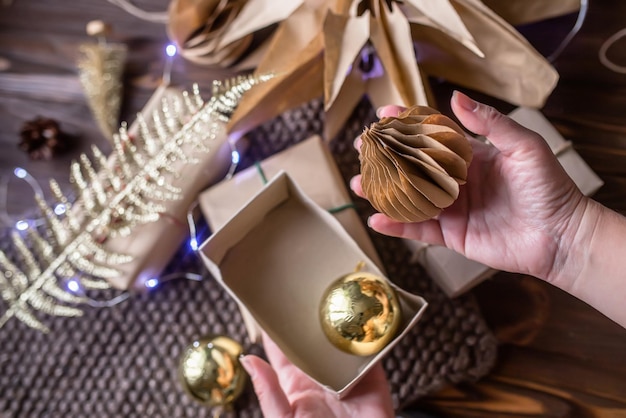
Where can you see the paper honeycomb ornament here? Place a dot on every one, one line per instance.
(412, 165)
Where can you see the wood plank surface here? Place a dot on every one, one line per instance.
(558, 358)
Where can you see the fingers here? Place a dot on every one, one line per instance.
(389, 110)
(355, 185)
(426, 231)
(273, 401)
(274, 353)
(503, 132)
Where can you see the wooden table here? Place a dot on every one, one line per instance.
(559, 357)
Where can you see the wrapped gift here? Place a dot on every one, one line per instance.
(170, 229)
(276, 257)
(456, 274)
(587, 181)
(311, 166)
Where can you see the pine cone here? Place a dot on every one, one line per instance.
(412, 164)
(41, 138)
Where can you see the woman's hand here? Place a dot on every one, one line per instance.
(516, 210)
(284, 390)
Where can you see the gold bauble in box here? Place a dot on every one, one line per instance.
(360, 313)
(210, 370)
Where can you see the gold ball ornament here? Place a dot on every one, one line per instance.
(360, 313)
(210, 370)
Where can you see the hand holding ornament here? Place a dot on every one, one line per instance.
(520, 212)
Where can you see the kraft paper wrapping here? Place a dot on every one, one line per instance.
(511, 70)
(311, 166)
(319, 49)
(456, 274)
(152, 245)
(217, 33)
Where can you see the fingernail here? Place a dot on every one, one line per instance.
(379, 112)
(369, 221)
(354, 182)
(464, 101)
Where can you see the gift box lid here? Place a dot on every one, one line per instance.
(276, 257)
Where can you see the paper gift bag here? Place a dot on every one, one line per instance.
(311, 166)
(456, 274)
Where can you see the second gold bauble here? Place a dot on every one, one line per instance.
(360, 313)
(210, 370)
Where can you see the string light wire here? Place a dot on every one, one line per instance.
(8, 220)
(582, 15)
(604, 59)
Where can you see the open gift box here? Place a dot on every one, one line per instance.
(456, 274)
(311, 166)
(276, 257)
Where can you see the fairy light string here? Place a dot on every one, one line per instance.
(21, 224)
(74, 285)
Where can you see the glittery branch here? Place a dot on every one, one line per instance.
(113, 196)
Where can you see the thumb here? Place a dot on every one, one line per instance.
(507, 135)
(273, 401)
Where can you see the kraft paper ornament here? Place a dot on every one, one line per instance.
(222, 34)
(412, 164)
